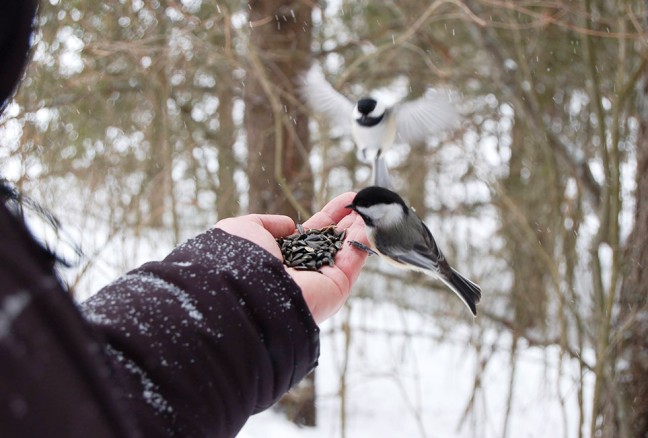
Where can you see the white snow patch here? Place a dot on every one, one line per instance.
(149, 392)
(12, 307)
(186, 302)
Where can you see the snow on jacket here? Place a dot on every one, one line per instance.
(188, 346)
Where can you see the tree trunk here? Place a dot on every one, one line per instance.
(632, 376)
(277, 131)
(525, 185)
(226, 203)
(280, 177)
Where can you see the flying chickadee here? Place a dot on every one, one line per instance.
(375, 126)
(397, 234)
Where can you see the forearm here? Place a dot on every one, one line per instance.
(210, 335)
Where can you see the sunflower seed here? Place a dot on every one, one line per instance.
(311, 249)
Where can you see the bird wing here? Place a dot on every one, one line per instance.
(428, 257)
(322, 98)
(418, 119)
(423, 254)
(419, 260)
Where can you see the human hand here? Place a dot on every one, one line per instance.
(325, 291)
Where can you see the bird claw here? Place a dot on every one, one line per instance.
(362, 247)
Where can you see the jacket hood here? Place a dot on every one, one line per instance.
(16, 25)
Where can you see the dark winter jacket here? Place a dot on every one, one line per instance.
(190, 346)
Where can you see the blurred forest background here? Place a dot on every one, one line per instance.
(140, 123)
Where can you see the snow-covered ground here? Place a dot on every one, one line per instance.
(406, 378)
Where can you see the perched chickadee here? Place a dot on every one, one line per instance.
(397, 234)
(373, 125)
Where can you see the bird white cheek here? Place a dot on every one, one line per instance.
(378, 110)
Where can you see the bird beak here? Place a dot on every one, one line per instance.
(350, 206)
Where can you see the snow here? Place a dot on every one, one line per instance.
(149, 392)
(406, 377)
(10, 308)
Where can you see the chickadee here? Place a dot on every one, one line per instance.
(373, 125)
(397, 234)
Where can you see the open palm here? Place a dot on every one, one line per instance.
(325, 291)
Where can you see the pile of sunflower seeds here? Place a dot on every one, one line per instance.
(309, 250)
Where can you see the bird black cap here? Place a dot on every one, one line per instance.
(376, 195)
(366, 105)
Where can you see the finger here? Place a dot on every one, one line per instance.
(349, 259)
(352, 219)
(332, 212)
(343, 274)
(277, 225)
(259, 229)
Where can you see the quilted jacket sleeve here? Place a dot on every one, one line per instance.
(206, 337)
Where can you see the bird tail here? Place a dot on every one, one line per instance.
(468, 291)
(381, 175)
